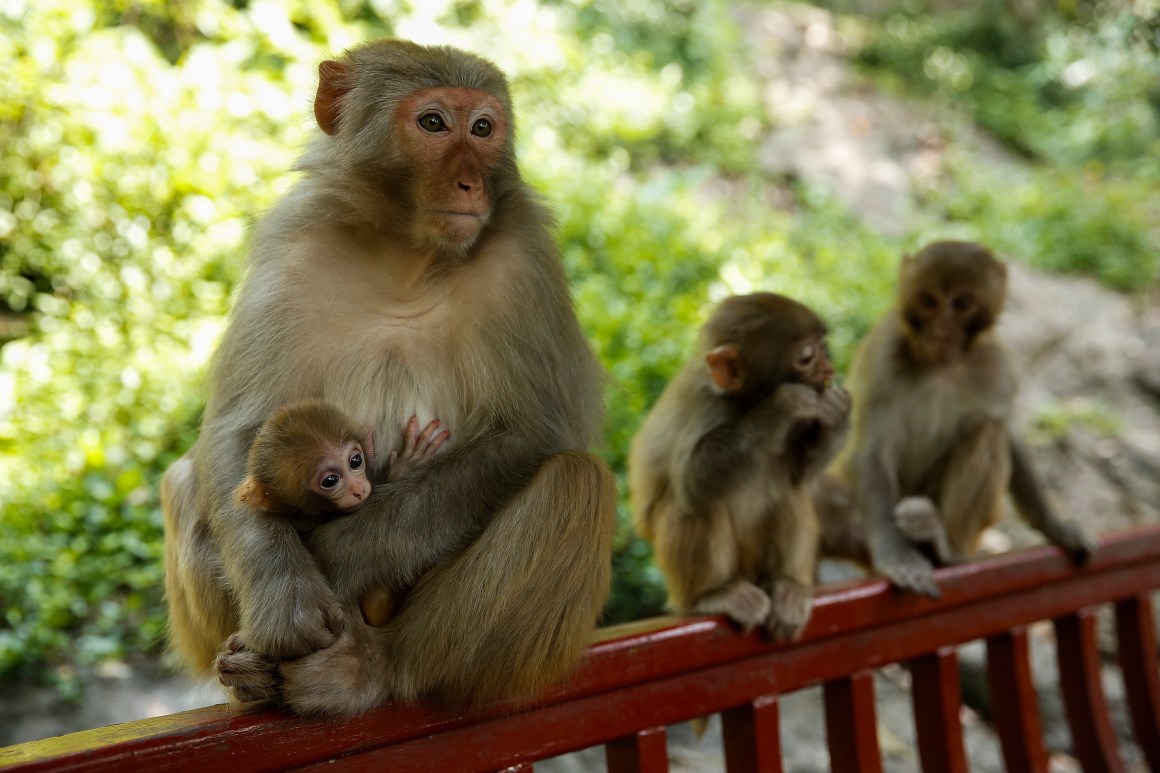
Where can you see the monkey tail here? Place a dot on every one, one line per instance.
(508, 617)
(200, 613)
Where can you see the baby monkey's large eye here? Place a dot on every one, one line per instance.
(330, 481)
(964, 302)
(356, 460)
(927, 301)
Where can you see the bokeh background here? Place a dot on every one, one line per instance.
(684, 145)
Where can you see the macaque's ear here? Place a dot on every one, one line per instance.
(254, 494)
(369, 441)
(725, 368)
(333, 83)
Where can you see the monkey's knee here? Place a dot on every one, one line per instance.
(918, 519)
(583, 479)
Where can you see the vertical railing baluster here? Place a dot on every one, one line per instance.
(1083, 695)
(937, 703)
(643, 752)
(1014, 702)
(1137, 643)
(852, 724)
(752, 737)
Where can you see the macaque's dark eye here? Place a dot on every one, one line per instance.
(964, 302)
(356, 461)
(330, 481)
(481, 128)
(432, 122)
(927, 301)
(806, 355)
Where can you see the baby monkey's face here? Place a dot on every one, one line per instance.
(341, 477)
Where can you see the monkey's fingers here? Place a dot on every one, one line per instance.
(792, 605)
(435, 443)
(909, 570)
(742, 602)
(834, 406)
(411, 436)
(424, 438)
(247, 675)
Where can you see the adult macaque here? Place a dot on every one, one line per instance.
(410, 272)
(309, 463)
(932, 449)
(719, 471)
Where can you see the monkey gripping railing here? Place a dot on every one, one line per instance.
(636, 679)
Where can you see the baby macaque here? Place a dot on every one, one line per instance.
(309, 463)
(720, 469)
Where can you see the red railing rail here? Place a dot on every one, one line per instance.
(639, 678)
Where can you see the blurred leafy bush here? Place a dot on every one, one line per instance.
(1073, 87)
(139, 139)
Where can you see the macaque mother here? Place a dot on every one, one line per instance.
(410, 272)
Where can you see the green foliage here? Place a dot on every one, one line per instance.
(1052, 422)
(1076, 88)
(1067, 83)
(1082, 222)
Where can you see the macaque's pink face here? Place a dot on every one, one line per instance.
(342, 478)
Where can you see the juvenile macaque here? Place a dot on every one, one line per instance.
(309, 463)
(410, 272)
(719, 471)
(932, 450)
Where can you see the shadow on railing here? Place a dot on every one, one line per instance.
(636, 679)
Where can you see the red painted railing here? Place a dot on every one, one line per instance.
(639, 678)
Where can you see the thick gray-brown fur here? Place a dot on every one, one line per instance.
(933, 439)
(719, 482)
(505, 536)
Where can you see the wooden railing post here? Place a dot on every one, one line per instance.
(1014, 702)
(643, 752)
(1083, 695)
(937, 704)
(852, 724)
(1137, 642)
(752, 737)
(638, 679)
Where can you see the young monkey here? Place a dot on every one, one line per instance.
(308, 464)
(719, 471)
(933, 449)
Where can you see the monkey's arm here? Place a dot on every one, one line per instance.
(1027, 493)
(285, 604)
(892, 554)
(712, 465)
(410, 525)
(723, 454)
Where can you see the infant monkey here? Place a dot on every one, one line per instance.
(308, 464)
(720, 470)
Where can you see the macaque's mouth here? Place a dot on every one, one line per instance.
(449, 213)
